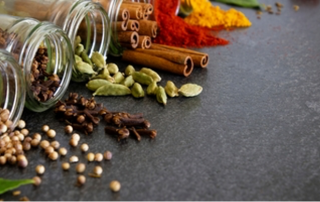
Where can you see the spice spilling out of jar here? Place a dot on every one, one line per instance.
(43, 83)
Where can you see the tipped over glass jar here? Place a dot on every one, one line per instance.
(82, 18)
(12, 93)
(45, 55)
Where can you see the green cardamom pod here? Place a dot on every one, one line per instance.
(84, 68)
(137, 90)
(128, 81)
(171, 89)
(161, 95)
(190, 90)
(118, 77)
(142, 78)
(154, 75)
(112, 90)
(98, 59)
(113, 68)
(94, 84)
(85, 57)
(77, 59)
(79, 49)
(152, 88)
(77, 41)
(129, 70)
(102, 74)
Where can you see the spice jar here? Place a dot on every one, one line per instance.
(12, 93)
(76, 17)
(123, 34)
(45, 56)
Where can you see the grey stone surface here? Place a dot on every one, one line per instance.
(252, 134)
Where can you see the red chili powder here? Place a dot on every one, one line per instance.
(174, 31)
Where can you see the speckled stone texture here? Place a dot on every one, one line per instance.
(252, 134)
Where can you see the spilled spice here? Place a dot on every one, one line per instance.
(174, 31)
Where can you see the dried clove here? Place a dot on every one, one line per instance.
(121, 134)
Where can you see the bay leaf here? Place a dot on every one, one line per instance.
(7, 184)
(242, 3)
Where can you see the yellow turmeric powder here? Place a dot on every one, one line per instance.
(206, 15)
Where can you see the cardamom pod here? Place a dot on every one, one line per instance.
(154, 75)
(152, 88)
(94, 84)
(190, 90)
(142, 78)
(113, 68)
(171, 89)
(118, 77)
(128, 81)
(112, 90)
(98, 59)
(129, 70)
(85, 57)
(79, 48)
(137, 90)
(84, 68)
(161, 95)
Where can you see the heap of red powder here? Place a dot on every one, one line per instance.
(174, 31)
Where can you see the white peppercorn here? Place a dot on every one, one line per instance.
(115, 186)
(45, 128)
(63, 151)
(73, 159)
(65, 166)
(98, 157)
(51, 133)
(36, 180)
(55, 144)
(53, 155)
(80, 168)
(107, 155)
(21, 124)
(81, 179)
(40, 169)
(90, 156)
(84, 147)
(44, 144)
(68, 129)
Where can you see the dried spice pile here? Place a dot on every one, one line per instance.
(84, 114)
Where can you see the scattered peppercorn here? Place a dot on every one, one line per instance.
(68, 129)
(84, 147)
(81, 180)
(107, 155)
(51, 133)
(65, 166)
(37, 180)
(40, 169)
(115, 186)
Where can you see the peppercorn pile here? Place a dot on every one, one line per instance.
(83, 114)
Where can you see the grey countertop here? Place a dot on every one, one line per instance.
(252, 134)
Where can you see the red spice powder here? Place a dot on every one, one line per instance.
(174, 31)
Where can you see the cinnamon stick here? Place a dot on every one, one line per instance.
(133, 25)
(123, 14)
(148, 27)
(144, 42)
(129, 37)
(121, 25)
(200, 59)
(135, 11)
(160, 63)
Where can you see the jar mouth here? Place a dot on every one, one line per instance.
(56, 67)
(91, 22)
(11, 87)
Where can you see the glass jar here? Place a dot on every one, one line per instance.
(113, 8)
(45, 55)
(76, 17)
(12, 94)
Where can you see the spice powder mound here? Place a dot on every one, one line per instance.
(174, 31)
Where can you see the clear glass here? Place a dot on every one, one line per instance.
(23, 37)
(76, 17)
(12, 93)
(112, 7)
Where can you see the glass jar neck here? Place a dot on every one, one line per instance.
(25, 38)
(11, 86)
(75, 17)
